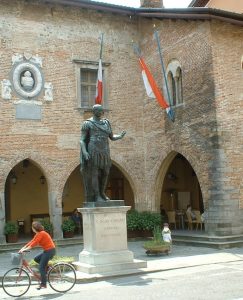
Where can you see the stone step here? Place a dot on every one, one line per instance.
(207, 238)
(111, 268)
(214, 243)
(13, 247)
(184, 237)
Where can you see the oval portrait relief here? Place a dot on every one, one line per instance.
(27, 80)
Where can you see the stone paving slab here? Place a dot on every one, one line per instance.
(180, 257)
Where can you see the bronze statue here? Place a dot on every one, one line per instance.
(95, 154)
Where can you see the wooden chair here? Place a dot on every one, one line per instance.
(172, 217)
(198, 219)
(189, 221)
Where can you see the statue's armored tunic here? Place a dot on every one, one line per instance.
(97, 142)
(95, 161)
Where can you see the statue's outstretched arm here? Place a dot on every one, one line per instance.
(115, 137)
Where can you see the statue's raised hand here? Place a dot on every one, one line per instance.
(122, 134)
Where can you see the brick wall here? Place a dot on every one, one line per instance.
(195, 121)
(226, 170)
(59, 35)
(207, 131)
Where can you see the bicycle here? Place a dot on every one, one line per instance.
(17, 281)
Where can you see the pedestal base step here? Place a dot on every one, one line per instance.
(110, 269)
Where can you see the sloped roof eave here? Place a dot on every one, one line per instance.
(192, 13)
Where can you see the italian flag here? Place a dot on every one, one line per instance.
(99, 85)
(152, 89)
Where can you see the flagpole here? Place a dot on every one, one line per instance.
(99, 83)
(163, 69)
(101, 44)
(137, 50)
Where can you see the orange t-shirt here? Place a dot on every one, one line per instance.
(42, 239)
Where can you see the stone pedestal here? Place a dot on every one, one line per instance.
(105, 241)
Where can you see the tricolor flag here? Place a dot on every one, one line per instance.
(99, 85)
(152, 88)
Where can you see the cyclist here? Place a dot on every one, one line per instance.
(42, 239)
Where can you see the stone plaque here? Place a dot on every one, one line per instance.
(28, 111)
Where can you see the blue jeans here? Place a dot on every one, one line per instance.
(42, 259)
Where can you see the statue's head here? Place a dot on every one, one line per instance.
(98, 109)
(97, 106)
(27, 74)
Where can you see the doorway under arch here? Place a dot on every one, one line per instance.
(26, 195)
(118, 188)
(180, 186)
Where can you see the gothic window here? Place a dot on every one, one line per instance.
(86, 73)
(174, 78)
(172, 88)
(179, 99)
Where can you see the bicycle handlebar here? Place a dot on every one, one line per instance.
(23, 252)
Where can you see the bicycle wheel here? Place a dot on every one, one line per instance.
(62, 277)
(16, 282)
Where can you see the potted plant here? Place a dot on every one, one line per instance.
(11, 231)
(68, 227)
(141, 224)
(149, 221)
(133, 223)
(157, 245)
(48, 227)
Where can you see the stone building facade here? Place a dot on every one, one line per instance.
(40, 131)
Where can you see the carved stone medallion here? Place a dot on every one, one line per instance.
(27, 79)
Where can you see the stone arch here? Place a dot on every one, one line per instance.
(40, 162)
(27, 194)
(173, 67)
(72, 194)
(72, 165)
(128, 185)
(163, 168)
(118, 164)
(128, 177)
(161, 175)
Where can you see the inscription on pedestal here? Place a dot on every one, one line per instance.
(104, 229)
(110, 229)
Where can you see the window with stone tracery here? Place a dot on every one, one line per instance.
(174, 78)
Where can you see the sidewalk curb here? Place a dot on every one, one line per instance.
(97, 278)
(145, 271)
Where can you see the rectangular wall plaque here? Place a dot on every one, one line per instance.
(28, 111)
